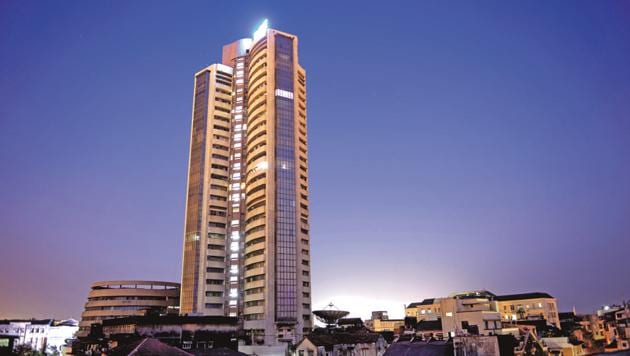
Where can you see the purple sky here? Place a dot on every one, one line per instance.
(453, 146)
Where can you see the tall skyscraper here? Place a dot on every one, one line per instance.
(246, 239)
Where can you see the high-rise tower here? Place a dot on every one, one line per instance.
(246, 239)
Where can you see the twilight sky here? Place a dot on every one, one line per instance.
(453, 145)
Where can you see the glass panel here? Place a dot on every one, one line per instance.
(286, 239)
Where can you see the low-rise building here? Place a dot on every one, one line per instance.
(606, 330)
(428, 309)
(380, 314)
(350, 323)
(476, 345)
(394, 325)
(473, 313)
(561, 346)
(346, 344)
(47, 335)
(481, 312)
(7, 344)
(429, 329)
(119, 299)
(470, 313)
(189, 333)
(529, 306)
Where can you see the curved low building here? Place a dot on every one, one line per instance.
(117, 299)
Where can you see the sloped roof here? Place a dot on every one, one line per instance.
(147, 347)
(533, 295)
(420, 348)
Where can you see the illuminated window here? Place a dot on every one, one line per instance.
(262, 165)
(284, 93)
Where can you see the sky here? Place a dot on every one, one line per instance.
(452, 146)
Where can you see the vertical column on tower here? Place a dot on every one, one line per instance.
(236, 213)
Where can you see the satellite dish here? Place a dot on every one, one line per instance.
(330, 315)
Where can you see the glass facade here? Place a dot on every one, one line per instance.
(286, 236)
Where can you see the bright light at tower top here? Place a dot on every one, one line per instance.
(261, 31)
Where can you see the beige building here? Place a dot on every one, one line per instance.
(468, 313)
(428, 309)
(246, 239)
(529, 306)
(513, 307)
(561, 346)
(379, 325)
(116, 299)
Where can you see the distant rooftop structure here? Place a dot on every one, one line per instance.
(473, 294)
(427, 301)
(329, 340)
(484, 294)
(521, 296)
